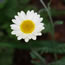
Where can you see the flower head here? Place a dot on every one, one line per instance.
(27, 26)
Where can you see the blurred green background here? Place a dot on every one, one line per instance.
(8, 9)
(14, 52)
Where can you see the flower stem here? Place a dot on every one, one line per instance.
(42, 59)
(49, 14)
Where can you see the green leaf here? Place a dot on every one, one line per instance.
(54, 12)
(46, 21)
(36, 63)
(45, 46)
(58, 22)
(59, 62)
(33, 55)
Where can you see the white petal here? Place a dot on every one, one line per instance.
(30, 15)
(19, 37)
(32, 11)
(28, 12)
(22, 15)
(41, 19)
(39, 34)
(26, 39)
(29, 36)
(13, 32)
(15, 21)
(18, 20)
(17, 33)
(34, 37)
(15, 27)
(43, 28)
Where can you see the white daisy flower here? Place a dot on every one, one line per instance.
(27, 26)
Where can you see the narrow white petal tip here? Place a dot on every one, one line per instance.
(11, 25)
(18, 38)
(41, 19)
(39, 34)
(32, 10)
(43, 24)
(38, 15)
(34, 38)
(15, 16)
(43, 28)
(28, 11)
(12, 20)
(22, 12)
(13, 32)
(18, 13)
(26, 40)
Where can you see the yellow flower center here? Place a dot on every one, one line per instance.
(27, 26)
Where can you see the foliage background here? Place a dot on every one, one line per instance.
(13, 52)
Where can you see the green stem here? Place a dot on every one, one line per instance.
(42, 59)
(47, 11)
(49, 14)
(38, 55)
(49, 3)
